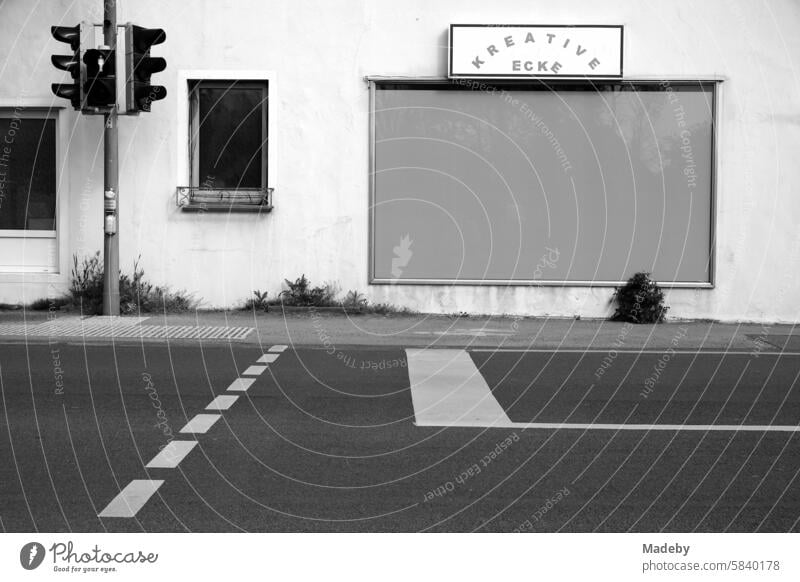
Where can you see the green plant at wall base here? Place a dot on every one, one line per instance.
(258, 302)
(86, 284)
(300, 293)
(136, 294)
(640, 300)
(48, 303)
(354, 300)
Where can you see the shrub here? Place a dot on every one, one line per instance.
(258, 302)
(354, 301)
(301, 294)
(86, 284)
(640, 300)
(45, 303)
(136, 295)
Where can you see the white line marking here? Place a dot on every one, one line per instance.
(241, 384)
(171, 455)
(254, 370)
(447, 389)
(278, 348)
(641, 427)
(267, 358)
(131, 499)
(201, 423)
(752, 352)
(222, 402)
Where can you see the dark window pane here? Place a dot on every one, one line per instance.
(230, 137)
(27, 173)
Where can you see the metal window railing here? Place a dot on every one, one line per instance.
(220, 199)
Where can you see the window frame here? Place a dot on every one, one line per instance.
(194, 133)
(373, 82)
(186, 78)
(23, 112)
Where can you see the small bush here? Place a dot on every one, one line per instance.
(354, 301)
(45, 303)
(300, 293)
(136, 295)
(258, 302)
(86, 284)
(640, 300)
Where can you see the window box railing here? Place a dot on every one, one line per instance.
(223, 200)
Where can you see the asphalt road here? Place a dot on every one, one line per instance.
(327, 442)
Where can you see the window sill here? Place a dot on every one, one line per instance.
(193, 199)
(21, 233)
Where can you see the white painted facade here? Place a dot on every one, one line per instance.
(316, 55)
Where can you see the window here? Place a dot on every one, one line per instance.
(27, 172)
(229, 137)
(542, 183)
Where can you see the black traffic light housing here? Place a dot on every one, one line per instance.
(139, 66)
(70, 63)
(100, 87)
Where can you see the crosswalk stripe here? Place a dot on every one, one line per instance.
(254, 371)
(171, 455)
(448, 390)
(200, 423)
(222, 402)
(267, 358)
(241, 384)
(131, 499)
(278, 348)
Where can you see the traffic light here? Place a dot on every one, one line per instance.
(139, 66)
(70, 63)
(100, 87)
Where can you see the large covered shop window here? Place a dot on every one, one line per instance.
(568, 183)
(229, 135)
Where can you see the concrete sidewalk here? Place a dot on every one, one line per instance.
(328, 329)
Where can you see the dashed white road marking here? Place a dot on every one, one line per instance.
(131, 499)
(278, 348)
(241, 384)
(201, 423)
(222, 402)
(267, 358)
(254, 370)
(171, 455)
(448, 390)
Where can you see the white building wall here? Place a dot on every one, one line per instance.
(320, 52)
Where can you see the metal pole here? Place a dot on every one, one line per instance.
(111, 178)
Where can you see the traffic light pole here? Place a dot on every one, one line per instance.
(111, 181)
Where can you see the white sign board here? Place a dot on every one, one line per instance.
(509, 51)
